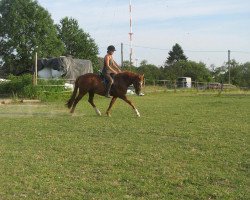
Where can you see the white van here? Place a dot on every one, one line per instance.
(184, 82)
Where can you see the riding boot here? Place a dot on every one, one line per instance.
(108, 91)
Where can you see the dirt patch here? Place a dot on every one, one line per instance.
(11, 101)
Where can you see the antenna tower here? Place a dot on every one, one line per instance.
(130, 33)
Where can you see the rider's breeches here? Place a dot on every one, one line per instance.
(110, 81)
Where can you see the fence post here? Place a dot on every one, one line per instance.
(221, 88)
(175, 86)
(35, 72)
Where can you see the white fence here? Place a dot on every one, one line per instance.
(168, 84)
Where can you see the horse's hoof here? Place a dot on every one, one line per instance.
(137, 113)
(108, 114)
(98, 112)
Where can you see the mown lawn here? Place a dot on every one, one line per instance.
(184, 146)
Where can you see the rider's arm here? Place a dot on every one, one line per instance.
(117, 66)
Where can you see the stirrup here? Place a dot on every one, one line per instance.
(108, 93)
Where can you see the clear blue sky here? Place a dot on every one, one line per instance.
(199, 26)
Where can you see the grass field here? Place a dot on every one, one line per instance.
(184, 146)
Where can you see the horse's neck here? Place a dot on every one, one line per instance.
(129, 79)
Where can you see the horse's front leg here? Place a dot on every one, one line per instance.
(110, 106)
(132, 105)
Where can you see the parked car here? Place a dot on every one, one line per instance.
(229, 86)
(213, 85)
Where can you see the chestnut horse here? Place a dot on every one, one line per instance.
(93, 84)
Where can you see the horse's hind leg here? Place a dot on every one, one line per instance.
(78, 98)
(91, 101)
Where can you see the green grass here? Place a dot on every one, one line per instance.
(184, 146)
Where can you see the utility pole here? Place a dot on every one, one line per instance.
(121, 54)
(229, 81)
(36, 73)
(131, 32)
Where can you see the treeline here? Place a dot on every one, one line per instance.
(239, 73)
(178, 65)
(26, 28)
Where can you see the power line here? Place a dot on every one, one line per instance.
(145, 47)
(194, 51)
(205, 51)
(246, 52)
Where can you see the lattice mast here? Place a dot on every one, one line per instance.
(130, 33)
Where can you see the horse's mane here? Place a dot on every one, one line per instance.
(127, 74)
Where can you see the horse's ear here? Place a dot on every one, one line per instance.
(142, 75)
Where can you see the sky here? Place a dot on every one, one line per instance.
(205, 29)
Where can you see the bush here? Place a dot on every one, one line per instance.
(22, 87)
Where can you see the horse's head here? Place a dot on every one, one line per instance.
(137, 83)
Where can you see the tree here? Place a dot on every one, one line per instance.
(197, 71)
(239, 74)
(126, 63)
(26, 27)
(100, 63)
(246, 75)
(127, 67)
(150, 71)
(175, 55)
(77, 43)
(218, 74)
(143, 62)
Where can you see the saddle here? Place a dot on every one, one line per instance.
(104, 80)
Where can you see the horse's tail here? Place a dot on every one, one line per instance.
(73, 96)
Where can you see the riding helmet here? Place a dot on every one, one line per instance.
(111, 48)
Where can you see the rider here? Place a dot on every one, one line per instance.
(110, 67)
